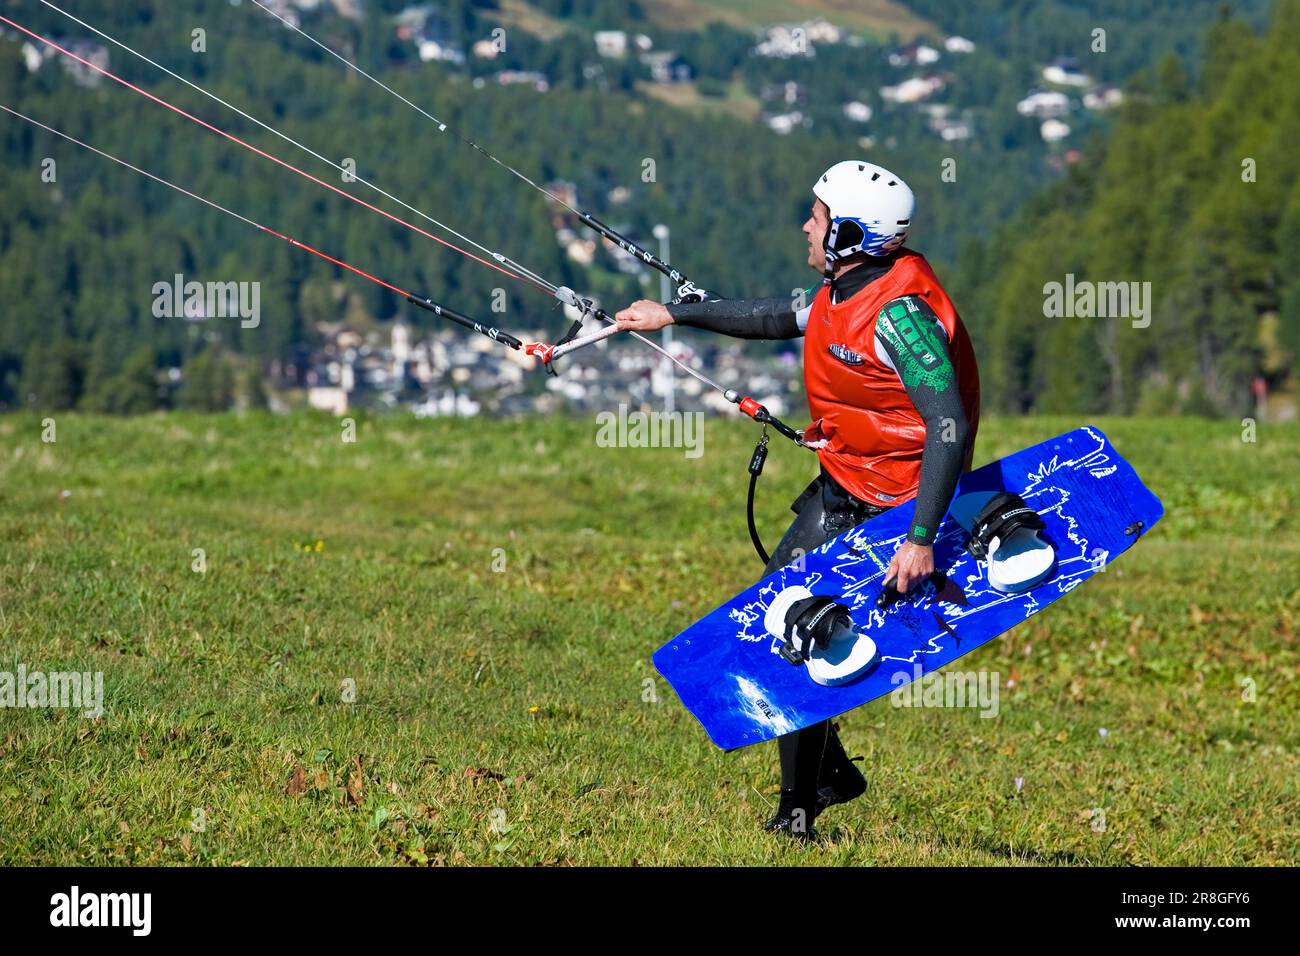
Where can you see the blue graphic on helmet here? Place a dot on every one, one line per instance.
(875, 241)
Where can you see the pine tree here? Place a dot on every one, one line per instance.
(207, 382)
(254, 389)
(135, 390)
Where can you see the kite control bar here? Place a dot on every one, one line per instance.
(548, 354)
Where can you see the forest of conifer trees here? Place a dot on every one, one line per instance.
(1191, 186)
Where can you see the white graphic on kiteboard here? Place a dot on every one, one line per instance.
(727, 668)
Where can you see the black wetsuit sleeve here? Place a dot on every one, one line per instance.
(773, 318)
(908, 331)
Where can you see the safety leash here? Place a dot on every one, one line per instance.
(756, 463)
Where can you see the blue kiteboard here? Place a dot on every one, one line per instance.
(728, 670)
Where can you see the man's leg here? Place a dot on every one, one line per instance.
(801, 752)
(814, 766)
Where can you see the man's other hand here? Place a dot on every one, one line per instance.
(912, 564)
(643, 315)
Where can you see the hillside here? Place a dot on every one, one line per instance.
(1195, 193)
(700, 131)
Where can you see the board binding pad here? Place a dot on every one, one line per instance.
(1015, 564)
(727, 669)
(843, 658)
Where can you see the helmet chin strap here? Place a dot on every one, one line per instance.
(829, 256)
(833, 258)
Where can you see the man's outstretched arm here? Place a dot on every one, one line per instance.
(774, 318)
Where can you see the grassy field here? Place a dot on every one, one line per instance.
(880, 18)
(494, 591)
(737, 103)
(877, 18)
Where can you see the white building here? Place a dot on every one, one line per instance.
(914, 54)
(667, 67)
(449, 403)
(400, 343)
(581, 251)
(537, 81)
(1103, 98)
(823, 31)
(788, 40)
(857, 111)
(1065, 72)
(1044, 104)
(785, 123)
(34, 56)
(97, 56)
(1053, 131)
(611, 43)
(913, 90)
(328, 398)
(439, 51)
(956, 44)
(423, 364)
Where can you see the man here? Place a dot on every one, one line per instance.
(893, 388)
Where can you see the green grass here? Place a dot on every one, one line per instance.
(738, 102)
(877, 18)
(499, 716)
(880, 19)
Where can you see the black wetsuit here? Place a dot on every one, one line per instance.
(825, 509)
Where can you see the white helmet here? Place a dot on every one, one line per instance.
(870, 208)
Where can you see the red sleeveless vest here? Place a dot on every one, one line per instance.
(875, 434)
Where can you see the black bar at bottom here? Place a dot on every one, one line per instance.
(233, 906)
